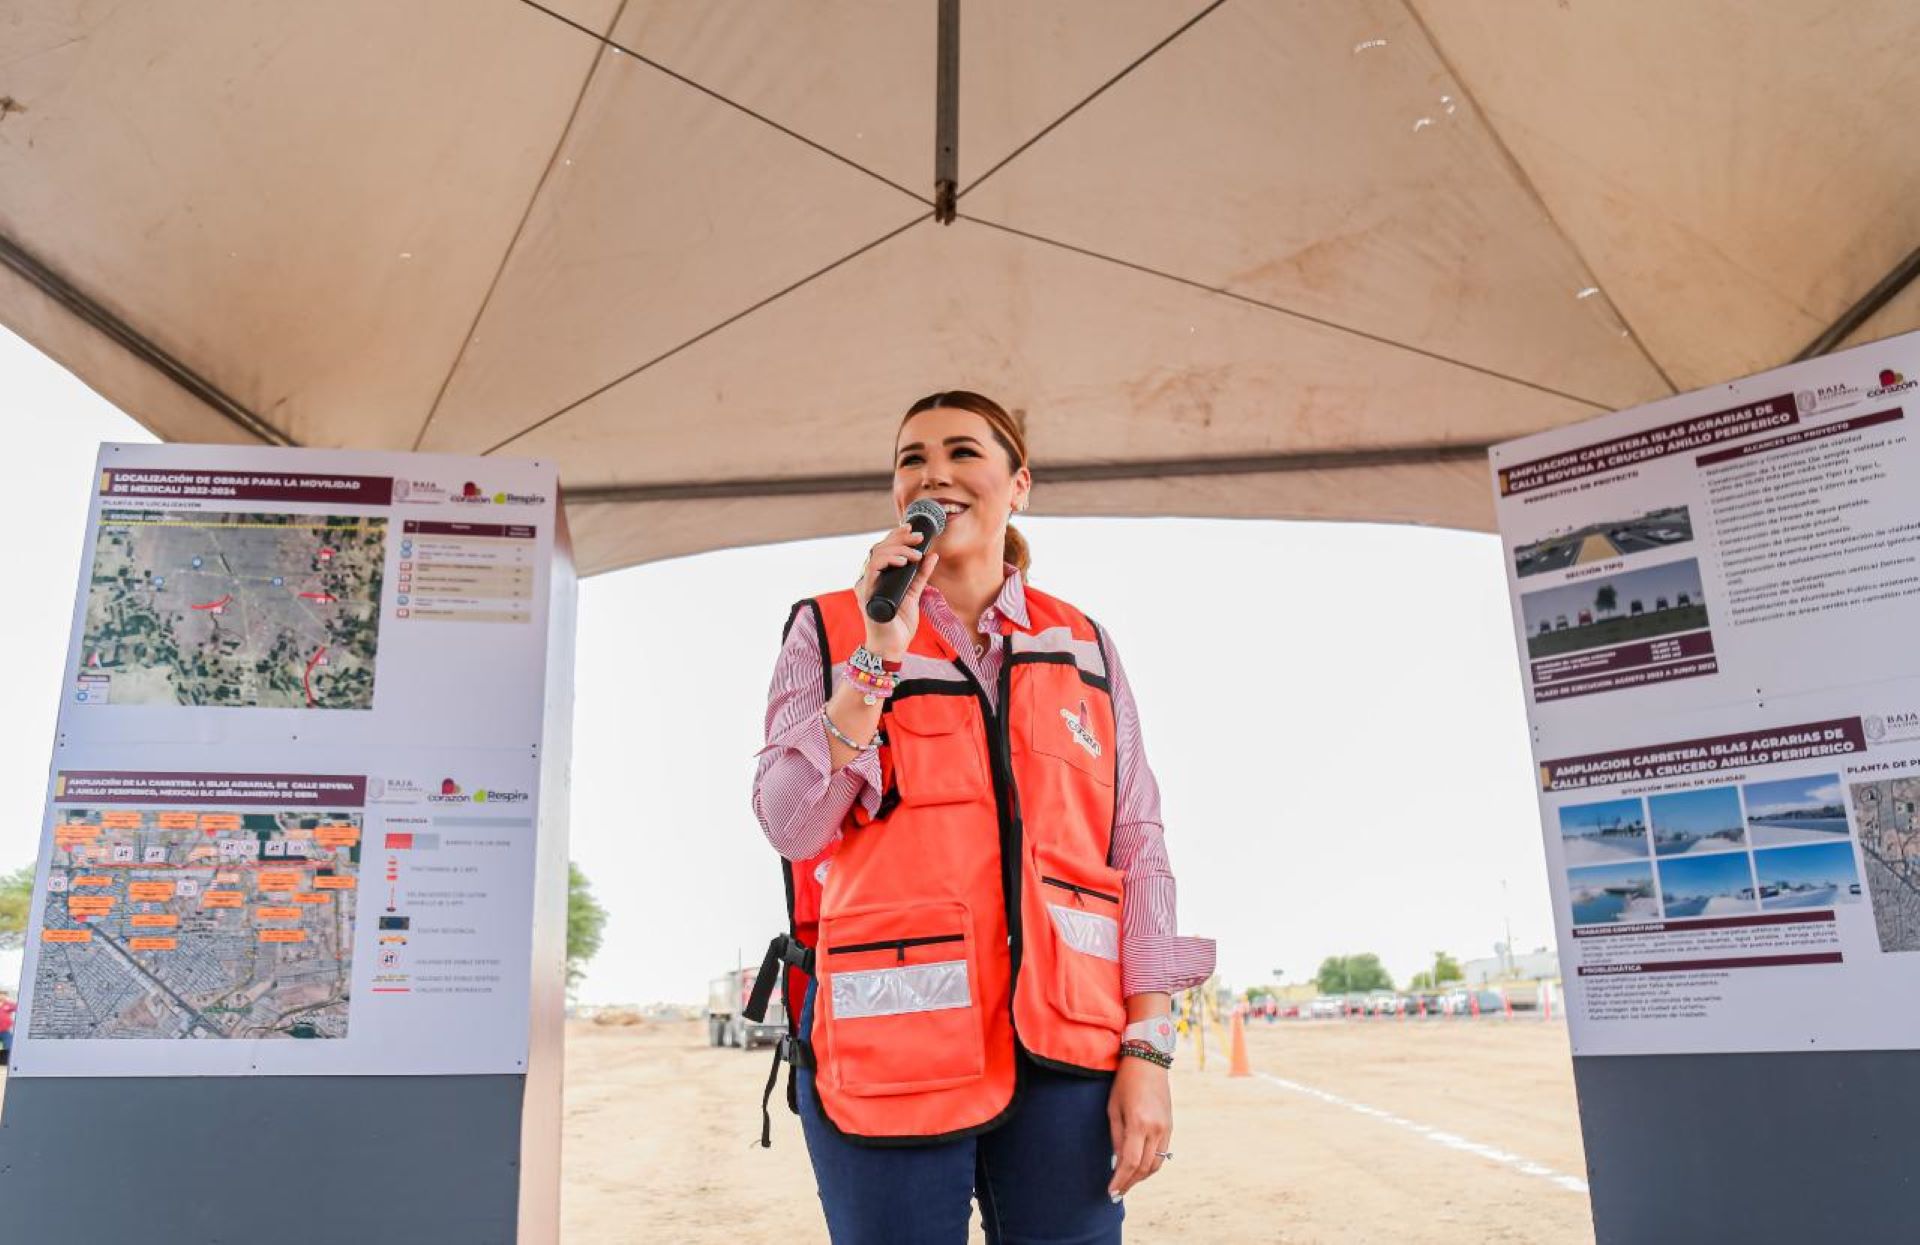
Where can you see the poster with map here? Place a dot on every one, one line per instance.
(1714, 598)
(295, 812)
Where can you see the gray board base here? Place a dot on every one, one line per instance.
(237, 1160)
(1813, 1146)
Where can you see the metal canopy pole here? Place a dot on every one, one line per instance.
(946, 115)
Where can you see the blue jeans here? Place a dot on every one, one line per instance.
(1041, 1177)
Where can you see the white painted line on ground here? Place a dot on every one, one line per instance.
(1453, 1141)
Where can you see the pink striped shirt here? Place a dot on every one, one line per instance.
(800, 802)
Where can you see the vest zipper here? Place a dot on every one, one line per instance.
(1080, 890)
(897, 945)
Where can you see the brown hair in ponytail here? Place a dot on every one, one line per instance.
(1006, 431)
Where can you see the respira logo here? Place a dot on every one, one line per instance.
(452, 793)
(1891, 382)
(473, 495)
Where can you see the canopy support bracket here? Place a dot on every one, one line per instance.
(946, 115)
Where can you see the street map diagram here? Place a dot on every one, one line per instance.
(1888, 814)
(176, 923)
(225, 609)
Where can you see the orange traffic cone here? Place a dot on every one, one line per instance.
(1239, 1066)
(1506, 1005)
(1473, 1003)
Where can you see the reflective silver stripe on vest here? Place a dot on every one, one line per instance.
(939, 670)
(900, 991)
(1086, 653)
(1087, 932)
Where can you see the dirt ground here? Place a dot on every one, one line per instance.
(1448, 1132)
(662, 1133)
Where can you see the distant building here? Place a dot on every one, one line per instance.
(1541, 965)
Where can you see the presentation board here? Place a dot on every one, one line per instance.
(294, 813)
(1714, 598)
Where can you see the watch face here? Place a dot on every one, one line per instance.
(1156, 1032)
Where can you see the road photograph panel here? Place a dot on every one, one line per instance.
(165, 923)
(1616, 610)
(240, 610)
(1662, 528)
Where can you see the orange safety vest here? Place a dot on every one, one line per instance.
(974, 916)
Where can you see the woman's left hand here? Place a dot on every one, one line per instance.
(1140, 1113)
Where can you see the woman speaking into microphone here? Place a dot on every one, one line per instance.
(979, 888)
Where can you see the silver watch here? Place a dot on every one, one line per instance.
(1155, 1031)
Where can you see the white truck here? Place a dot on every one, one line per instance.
(726, 996)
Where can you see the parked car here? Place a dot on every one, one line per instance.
(1586, 618)
(1324, 1008)
(1560, 623)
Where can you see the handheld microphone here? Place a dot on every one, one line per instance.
(928, 518)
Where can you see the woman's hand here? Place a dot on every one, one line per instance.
(896, 548)
(1140, 1114)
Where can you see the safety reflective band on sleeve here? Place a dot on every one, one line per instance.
(1087, 932)
(1086, 653)
(900, 991)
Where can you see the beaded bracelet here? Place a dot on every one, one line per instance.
(841, 735)
(1140, 1050)
(874, 688)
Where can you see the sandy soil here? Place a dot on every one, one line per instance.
(662, 1140)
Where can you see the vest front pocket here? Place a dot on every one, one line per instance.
(901, 987)
(937, 749)
(1083, 910)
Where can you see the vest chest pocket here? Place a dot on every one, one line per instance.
(937, 746)
(1069, 721)
(901, 987)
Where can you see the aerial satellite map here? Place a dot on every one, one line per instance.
(164, 923)
(238, 610)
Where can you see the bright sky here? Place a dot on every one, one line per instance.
(1333, 711)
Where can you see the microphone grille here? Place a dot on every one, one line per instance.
(930, 510)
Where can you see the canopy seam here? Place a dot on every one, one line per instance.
(1098, 91)
(1307, 317)
(1533, 191)
(708, 91)
(513, 244)
(736, 317)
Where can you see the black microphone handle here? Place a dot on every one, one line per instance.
(890, 585)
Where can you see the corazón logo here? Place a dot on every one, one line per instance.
(1891, 382)
(1081, 728)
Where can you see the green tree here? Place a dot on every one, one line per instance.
(1446, 968)
(16, 898)
(1352, 974)
(1606, 600)
(586, 921)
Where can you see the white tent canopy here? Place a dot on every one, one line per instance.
(1249, 257)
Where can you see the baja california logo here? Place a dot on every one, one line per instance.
(1081, 728)
(1891, 382)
